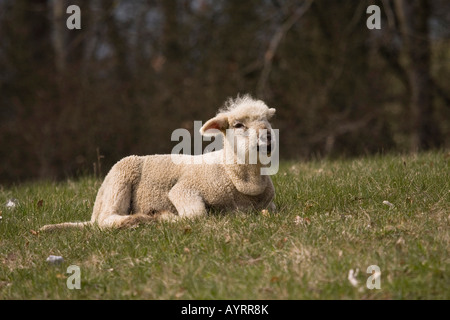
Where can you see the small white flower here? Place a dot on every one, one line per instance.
(388, 203)
(352, 277)
(11, 204)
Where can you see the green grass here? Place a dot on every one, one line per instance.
(331, 219)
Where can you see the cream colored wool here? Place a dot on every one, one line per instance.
(142, 188)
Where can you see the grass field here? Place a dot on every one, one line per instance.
(333, 217)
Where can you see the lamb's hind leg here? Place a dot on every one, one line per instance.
(112, 205)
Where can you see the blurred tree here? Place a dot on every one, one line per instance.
(413, 19)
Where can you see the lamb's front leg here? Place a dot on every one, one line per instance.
(188, 202)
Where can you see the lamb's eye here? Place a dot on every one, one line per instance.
(239, 125)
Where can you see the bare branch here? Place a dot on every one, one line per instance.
(275, 42)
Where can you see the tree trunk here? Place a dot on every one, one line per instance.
(116, 40)
(59, 41)
(413, 21)
(171, 45)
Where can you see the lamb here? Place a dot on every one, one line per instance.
(146, 188)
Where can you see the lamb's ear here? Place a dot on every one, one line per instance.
(214, 126)
(270, 113)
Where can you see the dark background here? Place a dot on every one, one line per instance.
(72, 100)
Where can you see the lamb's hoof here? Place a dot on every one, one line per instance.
(135, 221)
(168, 216)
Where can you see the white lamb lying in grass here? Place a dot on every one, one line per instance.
(142, 188)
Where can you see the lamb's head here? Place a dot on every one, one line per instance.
(244, 122)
